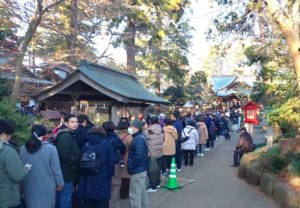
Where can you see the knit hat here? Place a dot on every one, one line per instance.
(137, 124)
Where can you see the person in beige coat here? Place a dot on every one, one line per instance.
(155, 137)
(125, 177)
(203, 136)
(169, 146)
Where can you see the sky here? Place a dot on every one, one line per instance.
(200, 17)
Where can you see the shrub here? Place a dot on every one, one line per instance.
(294, 166)
(271, 160)
(21, 123)
(287, 115)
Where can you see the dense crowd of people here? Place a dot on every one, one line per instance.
(91, 166)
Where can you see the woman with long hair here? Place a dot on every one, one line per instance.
(45, 177)
(95, 187)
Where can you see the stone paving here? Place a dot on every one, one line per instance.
(216, 186)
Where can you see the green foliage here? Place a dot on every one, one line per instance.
(198, 87)
(175, 95)
(49, 124)
(287, 115)
(8, 111)
(271, 160)
(4, 89)
(8, 28)
(294, 166)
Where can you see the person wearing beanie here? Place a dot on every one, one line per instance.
(138, 166)
(45, 176)
(125, 177)
(12, 171)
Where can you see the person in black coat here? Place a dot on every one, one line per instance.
(81, 132)
(119, 149)
(95, 188)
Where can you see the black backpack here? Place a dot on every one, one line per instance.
(185, 137)
(90, 161)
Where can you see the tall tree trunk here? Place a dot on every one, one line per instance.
(73, 58)
(130, 47)
(290, 31)
(33, 24)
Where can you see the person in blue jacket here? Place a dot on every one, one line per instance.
(119, 149)
(138, 166)
(178, 126)
(95, 188)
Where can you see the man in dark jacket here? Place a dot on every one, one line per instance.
(138, 166)
(118, 149)
(178, 126)
(244, 145)
(82, 130)
(69, 156)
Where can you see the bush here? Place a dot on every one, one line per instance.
(287, 116)
(294, 166)
(271, 160)
(21, 123)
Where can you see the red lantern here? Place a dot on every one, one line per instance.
(250, 113)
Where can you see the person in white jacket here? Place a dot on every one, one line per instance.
(190, 145)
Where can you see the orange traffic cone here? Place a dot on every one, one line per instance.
(172, 179)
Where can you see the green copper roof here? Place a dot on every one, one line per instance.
(118, 82)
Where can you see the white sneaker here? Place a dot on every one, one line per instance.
(201, 155)
(198, 155)
(207, 149)
(151, 190)
(178, 170)
(158, 186)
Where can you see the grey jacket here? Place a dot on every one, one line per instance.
(45, 175)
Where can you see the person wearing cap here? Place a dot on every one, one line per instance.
(138, 166)
(45, 176)
(12, 171)
(244, 145)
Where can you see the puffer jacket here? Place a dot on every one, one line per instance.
(138, 154)
(155, 139)
(98, 186)
(202, 132)
(169, 147)
(193, 140)
(68, 153)
(12, 172)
